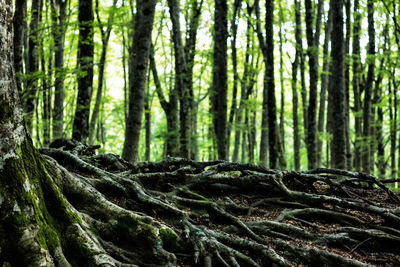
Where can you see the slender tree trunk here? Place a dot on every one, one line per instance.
(347, 83)
(356, 85)
(181, 76)
(125, 78)
(313, 47)
(105, 37)
(219, 80)
(19, 31)
(59, 36)
(239, 128)
(147, 119)
(281, 79)
(141, 51)
(337, 89)
(269, 123)
(299, 48)
(80, 129)
(234, 112)
(296, 137)
(190, 52)
(366, 159)
(30, 93)
(171, 111)
(378, 121)
(46, 97)
(324, 85)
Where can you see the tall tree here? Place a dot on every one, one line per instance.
(219, 80)
(59, 15)
(324, 84)
(170, 108)
(269, 126)
(366, 159)
(337, 89)
(105, 37)
(282, 85)
(356, 84)
(30, 93)
(347, 82)
(295, 64)
(141, 45)
(181, 76)
(80, 129)
(19, 31)
(190, 52)
(312, 51)
(233, 111)
(243, 90)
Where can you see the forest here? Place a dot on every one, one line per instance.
(199, 133)
(279, 98)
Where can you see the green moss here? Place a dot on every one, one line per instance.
(169, 239)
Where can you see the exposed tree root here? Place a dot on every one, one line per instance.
(181, 212)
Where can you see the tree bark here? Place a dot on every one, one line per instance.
(295, 64)
(141, 50)
(59, 37)
(313, 51)
(19, 31)
(324, 85)
(80, 129)
(190, 52)
(105, 37)
(234, 109)
(282, 85)
(181, 76)
(347, 83)
(366, 159)
(244, 81)
(171, 111)
(356, 85)
(32, 64)
(337, 89)
(269, 127)
(219, 80)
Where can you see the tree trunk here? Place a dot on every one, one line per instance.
(19, 31)
(356, 85)
(337, 89)
(234, 110)
(59, 36)
(347, 84)
(313, 51)
(324, 85)
(239, 127)
(282, 84)
(366, 159)
(105, 37)
(31, 89)
(80, 129)
(171, 111)
(219, 80)
(299, 48)
(269, 127)
(295, 64)
(190, 52)
(181, 76)
(141, 50)
(46, 96)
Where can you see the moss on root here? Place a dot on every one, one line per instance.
(31, 199)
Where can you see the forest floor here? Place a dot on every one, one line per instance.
(232, 214)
